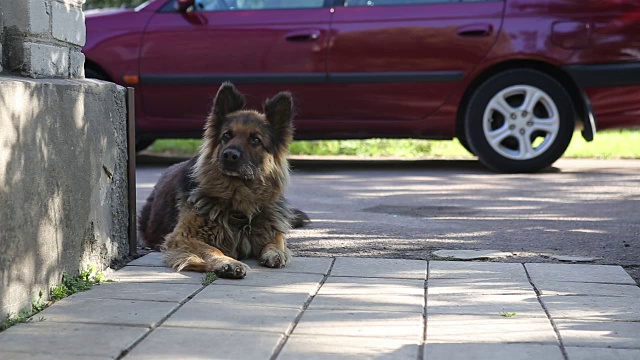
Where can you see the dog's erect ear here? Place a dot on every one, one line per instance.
(228, 99)
(279, 110)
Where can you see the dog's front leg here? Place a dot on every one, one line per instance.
(189, 254)
(275, 254)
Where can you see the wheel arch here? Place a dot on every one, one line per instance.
(90, 64)
(580, 101)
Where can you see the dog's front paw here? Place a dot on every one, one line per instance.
(231, 269)
(274, 258)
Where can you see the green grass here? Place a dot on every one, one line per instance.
(508, 314)
(615, 144)
(209, 278)
(69, 286)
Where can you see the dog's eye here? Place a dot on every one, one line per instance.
(226, 136)
(255, 141)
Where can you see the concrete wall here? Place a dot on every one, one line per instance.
(63, 154)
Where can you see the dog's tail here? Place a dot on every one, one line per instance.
(299, 218)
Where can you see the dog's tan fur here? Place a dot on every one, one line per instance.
(228, 214)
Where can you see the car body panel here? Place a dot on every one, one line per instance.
(387, 71)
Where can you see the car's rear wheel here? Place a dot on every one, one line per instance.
(519, 121)
(141, 141)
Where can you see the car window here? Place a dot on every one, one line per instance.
(351, 3)
(231, 5)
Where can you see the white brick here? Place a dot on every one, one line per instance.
(27, 15)
(67, 23)
(76, 64)
(44, 61)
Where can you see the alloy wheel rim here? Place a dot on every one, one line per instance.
(521, 122)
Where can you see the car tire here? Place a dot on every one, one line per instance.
(141, 142)
(519, 121)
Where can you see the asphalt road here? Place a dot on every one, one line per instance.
(408, 209)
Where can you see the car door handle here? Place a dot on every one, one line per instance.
(303, 35)
(476, 30)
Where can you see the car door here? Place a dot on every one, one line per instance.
(400, 59)
(262, 46)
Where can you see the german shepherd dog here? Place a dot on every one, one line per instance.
(227, 202)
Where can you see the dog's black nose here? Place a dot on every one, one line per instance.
(231, 155)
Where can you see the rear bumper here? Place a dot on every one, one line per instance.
(613, 91)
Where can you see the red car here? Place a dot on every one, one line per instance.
(511, 79)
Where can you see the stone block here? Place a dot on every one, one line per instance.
(40, 60)
(321, 347)
(476, 271)
(383, 268)
(289, 297)
(377, 324)
(238, 317)
(311, 265)
(108, 311)
(67, 341)
(154, 259)
(139, 291)
(584, 353)
(27, 16)
(139, 274)
(275, 278)
(475, 286)
(607, 274)
(67, 23)
(62, 210)
(603, 334)
(447, 328)
(349, 293)
(523, 305)
(586, 289)
(179, 343)
(593, 307)
(76, 64)
(478, 351)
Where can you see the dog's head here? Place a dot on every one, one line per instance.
(247, 144)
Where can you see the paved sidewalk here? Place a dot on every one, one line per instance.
(344, 308)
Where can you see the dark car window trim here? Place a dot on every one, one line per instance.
(314, 78)
(170, 7)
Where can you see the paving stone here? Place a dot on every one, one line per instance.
(139, 291)
(63, 340)
(270, 279)
(141, 274)
(371, 286)
(402, 325)
(347, 293)
(573, 258)
(479, 287)
(380, 268)
(447, 328)
(491, 352)
(580, 273)
(11, 355)
(593, 307)
(108, 311)
(178, 343)
(283, 296)
(151, 259)
(580, 288)
(523, 305)
(202, 314)
(471, 254)
(311, 265)
(615, 334)
(318, 347)
(476, 270)
(583, 353)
